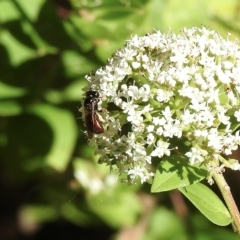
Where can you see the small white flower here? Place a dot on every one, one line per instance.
(172, 129)
(150, 139)
(167, 113)
(164, 96)
(145, 58)
(223, 118)
(150, 128)
(237, 115)
(187, 117)
(139, 172)
(158, 121)
(195, 155)
(200, 133)
(198, 106)
(237, 137)
(145, 92)
(136, 65)
(135, 117)
(235, 166)
(215, 140)
(161, 149)
(127, 106)
(93, 184)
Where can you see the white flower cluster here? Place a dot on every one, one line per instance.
(169, 94)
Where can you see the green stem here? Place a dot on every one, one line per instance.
(227, 195)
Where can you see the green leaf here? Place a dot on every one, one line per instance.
(37, 214)
(12, 10)
(174, 10)
(8, 11)
(172, 227)
(175, 172)
(208, 203)
(18, 53)
(78, 216)
(31, 11)
(117, 208)
(8, 91)
(10, 108)
(76, 64)
(73, 92)
(64, 130)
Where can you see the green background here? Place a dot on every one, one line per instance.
(51, 185)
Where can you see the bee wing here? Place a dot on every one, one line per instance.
(82, 110)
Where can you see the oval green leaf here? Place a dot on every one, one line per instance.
(10, 108)
(8, 91)
(175, 172)
(208, 203)
(64, 130)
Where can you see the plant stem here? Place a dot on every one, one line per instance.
(227, 195)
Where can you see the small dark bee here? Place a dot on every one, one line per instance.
(93, 124)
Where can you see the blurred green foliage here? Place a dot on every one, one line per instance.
(47, 170)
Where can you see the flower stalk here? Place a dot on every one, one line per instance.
(229, 200)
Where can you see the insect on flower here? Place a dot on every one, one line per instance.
(93, 124)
